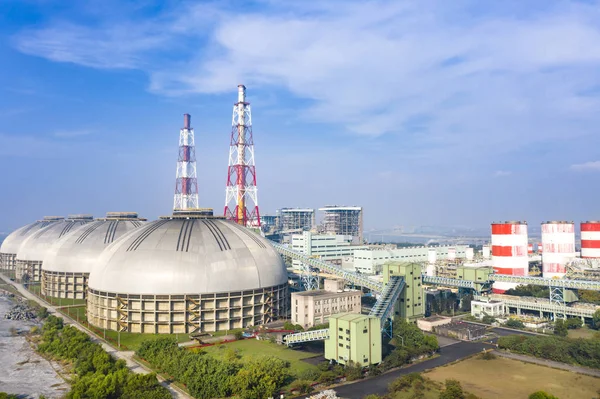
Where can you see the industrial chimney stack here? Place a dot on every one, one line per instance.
(241, 200)
(186, 186)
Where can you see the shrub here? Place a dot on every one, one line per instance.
(513, 323)
(309, 375)
(326, 377)
(238, 335)
(487, 356)
(302, 386)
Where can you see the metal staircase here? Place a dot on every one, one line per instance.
(385, 304)
(352, 277)
(306, 336)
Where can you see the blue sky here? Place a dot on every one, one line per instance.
(424, 112)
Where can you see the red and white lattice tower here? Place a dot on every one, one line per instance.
(558, 243)
(241, 199)
(186, 186)
(590, 239)
(509, 252)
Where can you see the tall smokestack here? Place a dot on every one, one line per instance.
(186, 185)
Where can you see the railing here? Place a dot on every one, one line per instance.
(355, 278)
(447, 281)
(542, 305)
(547, 282)
(306, 336)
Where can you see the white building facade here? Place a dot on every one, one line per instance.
(327, 247)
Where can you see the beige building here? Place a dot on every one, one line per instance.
(311, 308)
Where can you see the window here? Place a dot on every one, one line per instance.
(341, 329)
(347, 346)
(347, 331)
(340, 337)
(365, 330)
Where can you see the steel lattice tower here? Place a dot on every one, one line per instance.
(241, 200)
(186, 186)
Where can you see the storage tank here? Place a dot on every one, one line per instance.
(590, 239)
(485, 252)
(509, 252)
(187, 273)
(431, 259)
(12, 243)
(558, 243)
(33, 250)
(68, 262)
(469, 253)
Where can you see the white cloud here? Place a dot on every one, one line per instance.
(587, 166)
(502, 173)
(68, 134)
(451, 77)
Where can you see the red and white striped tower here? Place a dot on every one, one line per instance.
(558, 243)
(241, 199)
(590, 239)
(509, 252)
(186, 185)
(530, 249)
(540, 249)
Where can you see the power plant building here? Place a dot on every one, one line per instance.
(328, 247)
(370, 261)
(310, 308)
(558, 242)
(296, 219)
(12, 243)
(69, 261)
(343, 220)
(33, 250)
(186, 273)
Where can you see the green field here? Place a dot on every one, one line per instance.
(249, 348)
(583, 333)
(506, 378)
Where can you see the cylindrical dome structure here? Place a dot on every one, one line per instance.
(32, 251)
(590, 239)
(187, 273)
(558, 243)
(67, 264)
(12, 243)
(509, 252)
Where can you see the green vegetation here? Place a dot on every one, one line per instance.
(445, 303)
(596, 319)
(208, 377)
(415, 386)
(589, 296)
(584, 352)
(536, 291)
(514, 323)
(410, 343)
(252, 348)
(560, 328)
(541, 395)
(4, 395)
(574, 323)
(97, 374)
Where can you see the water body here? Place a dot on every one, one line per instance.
(22, 370)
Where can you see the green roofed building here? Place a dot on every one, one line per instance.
(354, 337)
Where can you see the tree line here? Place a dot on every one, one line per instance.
(583, 352)
(97, 374)
(207, 377)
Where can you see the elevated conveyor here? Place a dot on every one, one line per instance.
(447, 281)
(355, 278)
(306, 336)
(385, 304)
(548, 282)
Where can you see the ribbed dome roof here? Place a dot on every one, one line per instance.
(188, 256)
(35, 246)
(13, 241)
(78, 251)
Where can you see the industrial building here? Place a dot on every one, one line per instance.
(370, 261)
(34, 248)
(69, 261)
(328, 247)
(343, 220)
(509, 252)
(411, 304)
(296, 219)
(185, 273)
(12, 243)
(354, 338)
(558, 243)
(310, 308)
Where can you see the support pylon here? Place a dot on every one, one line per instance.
(241, 199)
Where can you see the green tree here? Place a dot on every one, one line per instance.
(560, 328)
(574, 323)
(589, 296)
(513, 323)
(453, 390)
(238, 335)
(541, 395)
(353, 371)
(327, 377)
(596, 319)
(260, 378)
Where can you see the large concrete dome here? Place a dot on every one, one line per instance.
(32, 251)
(184, 256)
(68, 262)
(12, 243)
(187, 273)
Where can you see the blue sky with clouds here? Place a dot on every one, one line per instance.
(424, 112)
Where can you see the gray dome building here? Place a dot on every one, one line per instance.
(12, 243)
(68, 262)
(187, 273)
(32, 251)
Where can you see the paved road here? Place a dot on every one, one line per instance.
(379, 384)
(125, 355)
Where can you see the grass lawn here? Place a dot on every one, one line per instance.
(506, 378)
(583, 332)
(132, 341)
(251, 348)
